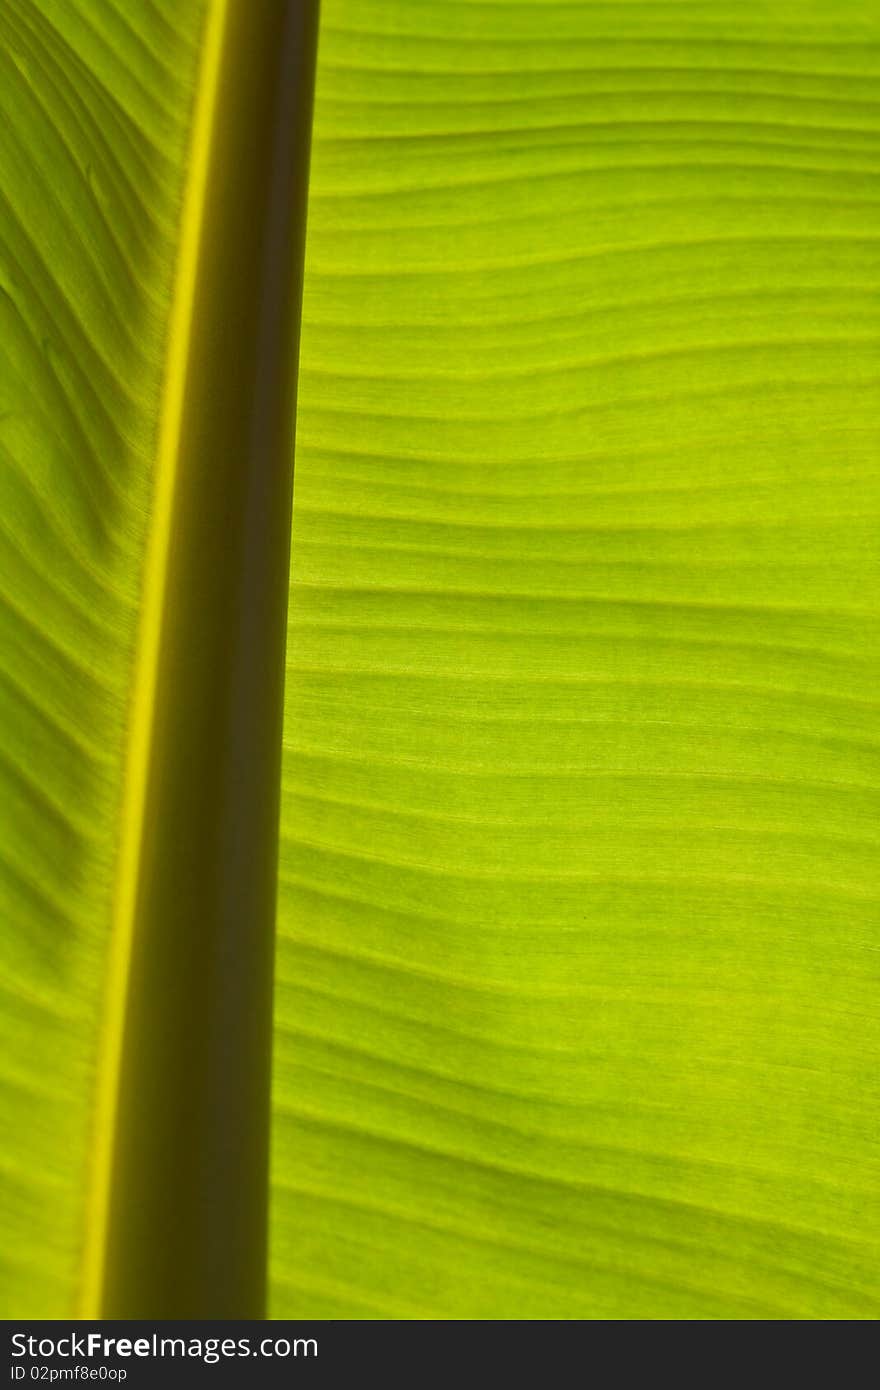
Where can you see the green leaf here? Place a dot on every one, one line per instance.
(576, 990)
(577, 996)
(94, 114)
(164, 1214)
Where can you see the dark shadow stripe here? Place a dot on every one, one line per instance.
(188, 1206)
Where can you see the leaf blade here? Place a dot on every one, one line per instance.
(88, 165)
(578, 858)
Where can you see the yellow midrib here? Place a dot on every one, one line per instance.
(146, 667)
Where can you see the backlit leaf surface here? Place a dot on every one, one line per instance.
(577, 999)
(95, 105)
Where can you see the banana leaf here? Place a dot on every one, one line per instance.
(575, 1001)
